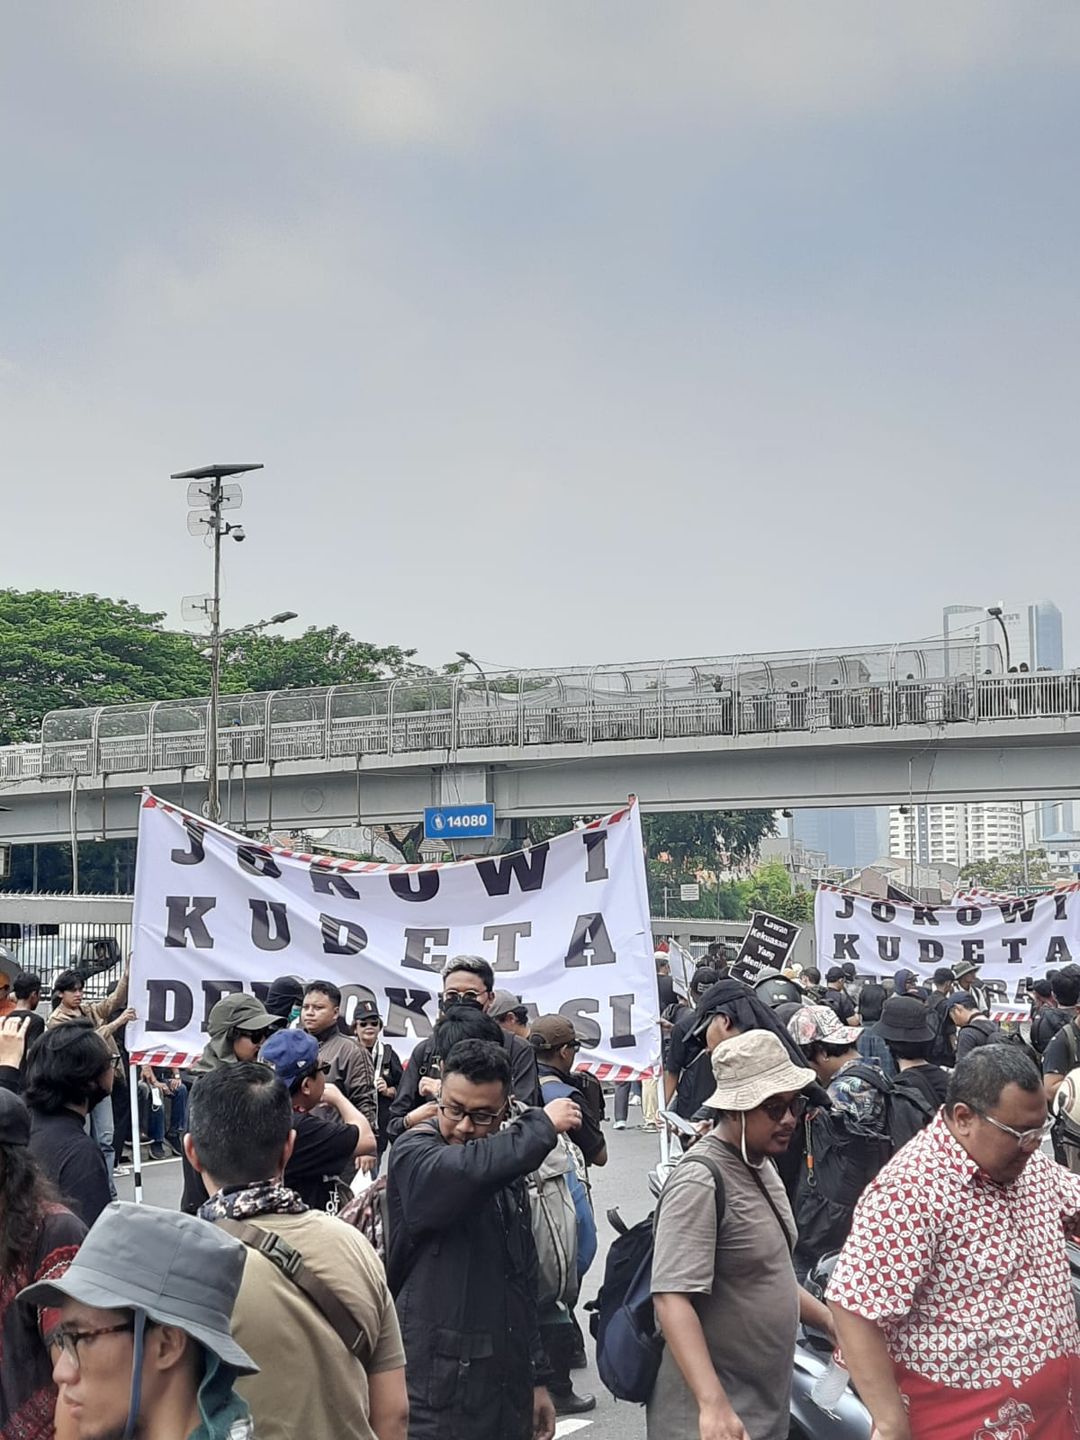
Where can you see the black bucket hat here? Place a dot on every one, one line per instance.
(904, 1018)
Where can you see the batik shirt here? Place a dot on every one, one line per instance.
(968, 1279)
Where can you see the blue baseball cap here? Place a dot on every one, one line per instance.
(291, 1054)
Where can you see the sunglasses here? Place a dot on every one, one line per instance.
(777, 1109)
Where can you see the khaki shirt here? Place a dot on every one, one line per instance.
(309, 1384)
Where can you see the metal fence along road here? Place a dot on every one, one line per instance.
(802, 693)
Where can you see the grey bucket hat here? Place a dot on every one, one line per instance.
(181, 1271)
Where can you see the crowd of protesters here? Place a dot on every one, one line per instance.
(388, 1252)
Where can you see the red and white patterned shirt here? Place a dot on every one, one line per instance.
(968, 1279)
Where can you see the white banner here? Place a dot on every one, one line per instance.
(565, 925)
(1009, 937)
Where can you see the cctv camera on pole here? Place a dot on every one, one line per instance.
(210, 497)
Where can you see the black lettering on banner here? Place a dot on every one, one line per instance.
(170, 1005)
(524, 866)
(1057, 952)
(845, 948)
(590, 943)
(418, 954)
(595, 842)
(405, 1012)
(257, 860)
(506, 938)
(342, 937)
(883, 911)
(1010, 909)
(1060, 912)
(580, 1013)
(1014, 944)
(215, 990)
(197, 853)
(186, 919)
(328, 882)
(888, 947)
(931, 951)
(622, 1033)
(262, 911)
(847, 908)
(968, 915)
(924, 915)
(972, 950)
(425, 888)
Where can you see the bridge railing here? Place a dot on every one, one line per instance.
(449, 717)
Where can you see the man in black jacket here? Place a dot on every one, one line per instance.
(462, 1265)
(467, 980)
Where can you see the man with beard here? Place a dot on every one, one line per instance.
(467, 981)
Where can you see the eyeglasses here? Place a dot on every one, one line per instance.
(455, 997)
(777, 1109)
(1025, 1139)
(68, 1340)
(256, 1036)
(482, 1119)
(365, 1023)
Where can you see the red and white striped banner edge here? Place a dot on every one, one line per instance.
(150, 801)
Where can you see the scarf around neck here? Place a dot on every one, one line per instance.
(266, 1197)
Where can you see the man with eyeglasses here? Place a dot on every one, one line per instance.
(141, 1344)
(462, 1263)
(952, 1295)
(466, 980)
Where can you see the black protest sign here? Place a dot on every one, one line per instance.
(766, 946)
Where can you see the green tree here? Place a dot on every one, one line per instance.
(1006, 874)
(321, 656)
(60, 650)
(698, 839)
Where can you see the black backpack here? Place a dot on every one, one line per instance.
(842, 1158)
(942, 1050)
(629, 1345)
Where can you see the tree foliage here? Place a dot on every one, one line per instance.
(705, 839)
(321, 656)
(61, 650)
(1006, 873)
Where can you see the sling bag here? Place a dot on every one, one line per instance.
(290, 1262)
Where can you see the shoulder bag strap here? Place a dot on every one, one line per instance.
(718, 1185)
(291, 1264)
(773, 1207)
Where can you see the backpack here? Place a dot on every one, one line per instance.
(1014, 1038)
(942, 1051)
(623, 1324)
(369, 1213)
(842, 1158)
(555, 1225)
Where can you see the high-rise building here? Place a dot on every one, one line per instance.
(1035, 642)
(1034, 631)
(956, 834)
(851, 838)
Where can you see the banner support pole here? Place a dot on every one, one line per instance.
(136, 1143)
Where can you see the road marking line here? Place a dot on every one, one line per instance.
(569, 1426)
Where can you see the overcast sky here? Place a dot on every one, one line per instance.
(566, 332)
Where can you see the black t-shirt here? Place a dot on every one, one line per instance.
(666, 987)
(841, 1003)
(930, 1080)
(1046, 1023)
(72, 1161)
(322, 1151)
(1061, 1056)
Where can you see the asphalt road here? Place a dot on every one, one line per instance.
(623, 1183)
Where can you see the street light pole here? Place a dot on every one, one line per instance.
(995, 612)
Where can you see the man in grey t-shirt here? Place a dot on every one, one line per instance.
(727, 1301)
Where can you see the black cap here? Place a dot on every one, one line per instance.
(366, 1010)
(834, 973)
(847, 969)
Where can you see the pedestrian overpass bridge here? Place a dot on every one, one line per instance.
(906, 723)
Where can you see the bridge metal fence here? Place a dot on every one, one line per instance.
(872, 690)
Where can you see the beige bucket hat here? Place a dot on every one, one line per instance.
(752, 1068)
